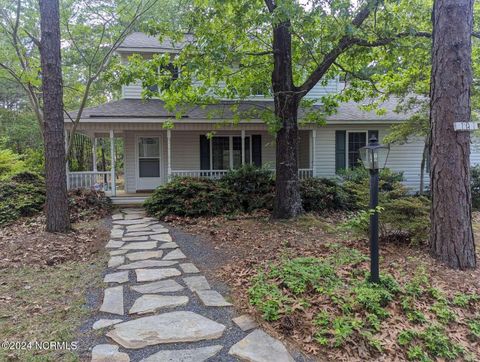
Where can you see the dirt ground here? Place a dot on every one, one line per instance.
(44, 279)
(251, 242)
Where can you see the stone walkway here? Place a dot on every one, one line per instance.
(157, 306)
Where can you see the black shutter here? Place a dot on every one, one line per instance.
(340, 150)
(372, 133)
(257, 150)
(204, 153)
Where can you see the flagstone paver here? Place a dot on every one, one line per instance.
(116, 261)
(149, 303)
(258, 346)
(120, 277)
(162, 237)
(212, 298)
(189, 321)
(118, 252)
(103, 323)
(140, 245)
(172, 327)
(108, 353)
(189, 268)
(142, 255)
(185, 355)
(196, 283)
(168, 246)
(162, 286)
(148, 264)
(113, 301)
(112, 244)
(174, 255)
(148, 275)
(245, 322)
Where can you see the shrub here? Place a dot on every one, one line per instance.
(254, 187)
(475, 186)
(408, 216)
(189, 196)
(88, 204)
(320, 194)
(10, 164)
(22, 195)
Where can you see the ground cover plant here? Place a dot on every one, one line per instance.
(306, 282)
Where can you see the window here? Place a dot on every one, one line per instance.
(149, 157)
(227, 152)
(356, 140)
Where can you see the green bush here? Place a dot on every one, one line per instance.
(189, 196)
(475, 186)
(22, 195)
(10, 164)
(406, 216)
(254, 187)
(322, 194)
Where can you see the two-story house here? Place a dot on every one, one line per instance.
(153, 154)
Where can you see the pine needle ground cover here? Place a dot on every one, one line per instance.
(307, 283)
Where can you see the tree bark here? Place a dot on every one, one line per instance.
(288, 202)
(451, 238)
(55, 159)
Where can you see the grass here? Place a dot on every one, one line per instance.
(45, 304)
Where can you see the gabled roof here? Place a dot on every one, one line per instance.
(154, 108)
(139, 41)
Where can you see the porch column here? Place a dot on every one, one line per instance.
(243, 147)
(67, 171)
(312, 150)
(169, 154)
(94, 154)
(112, 156)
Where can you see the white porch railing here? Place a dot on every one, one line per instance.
(97, 180)
(212, 174)
(303, 173)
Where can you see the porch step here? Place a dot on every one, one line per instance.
(128, 200)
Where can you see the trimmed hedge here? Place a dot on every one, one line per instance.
(190, 196)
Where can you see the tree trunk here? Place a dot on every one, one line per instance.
(288, 202)
(451, 238)
(56, 181)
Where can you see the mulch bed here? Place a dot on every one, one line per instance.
(26, 243)
(251, 242)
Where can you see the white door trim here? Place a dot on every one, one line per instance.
(150, 182)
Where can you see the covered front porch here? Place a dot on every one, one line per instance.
(151, 156)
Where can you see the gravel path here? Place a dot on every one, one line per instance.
(158, 306)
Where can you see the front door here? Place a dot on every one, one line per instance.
(148, 163)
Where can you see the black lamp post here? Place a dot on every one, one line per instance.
(374, 157)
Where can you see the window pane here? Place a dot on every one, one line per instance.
(356, 140)
(149, 167)
(220, 153)
(148, 147)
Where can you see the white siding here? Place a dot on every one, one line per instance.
(320, 90)
(404, 158)
(134, 90)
